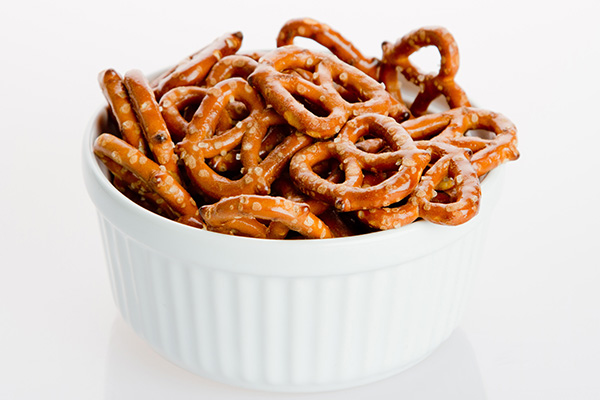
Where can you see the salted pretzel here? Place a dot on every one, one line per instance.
(153, 125)
(453, 127)
(347, 52)
(235, 65)
(117, 98)
(458, 205)
(152, 175)
(200, 142)
(404, 159)
(194, 69)
(431, 86)
(295, 216)
(279, 88)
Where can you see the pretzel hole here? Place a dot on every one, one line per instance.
(317, 109)
(428, 60)
(481, 133)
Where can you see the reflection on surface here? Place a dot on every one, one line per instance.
(134, 370)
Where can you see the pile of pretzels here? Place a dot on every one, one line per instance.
(297, 143)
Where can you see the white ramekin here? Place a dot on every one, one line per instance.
(287, 316)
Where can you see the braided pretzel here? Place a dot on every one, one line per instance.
(153, 176)
(279, 88)
(116, 95)
(404, 158)
(452, 126)
(296, 216)
(193, 70)
(431, 86)
(153, 125)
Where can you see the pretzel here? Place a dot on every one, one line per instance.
(231, 66)
(180, 100)
(279, 87)
(431, 86)
(153, 125)
(200, 143)
(116, 95)
(347, 52)
(297, 140)
(448, 163)
(194, 69)
(153, 176)
(453, 126)
(296, 216)
(404, 158)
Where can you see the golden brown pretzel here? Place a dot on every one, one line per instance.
(447, 163)
(235, 65)
(331, 39)
(295, 216)
(404, 159)
(431, 86)
(153, 125)
(280, 89)
(194, 69)
(453, 127)
(347, 52)
(200, 143)
(116, 95)
(153, 176)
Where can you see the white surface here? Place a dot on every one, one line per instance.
(531, 328)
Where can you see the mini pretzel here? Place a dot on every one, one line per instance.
(116, 95)
(194, 69)
(453, 126)
(404, 158)
(431, 86)
(235, 65)
(153, 125)
(279, 87)
(448, 163)
(152, 175)
(180, 99)
(200, 143)
(296, 216)
(347, 52)
(331, 39)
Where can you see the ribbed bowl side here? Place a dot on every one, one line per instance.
(291, 334)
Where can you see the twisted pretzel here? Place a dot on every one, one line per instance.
(194, 69)
(431, 86)
(200, 143)
(229, 67)
(459, 205)
(404, 159)
(453, 127)
(279, 87)
(153, 125)
(295, 216)
(155, 177)
(347, 52)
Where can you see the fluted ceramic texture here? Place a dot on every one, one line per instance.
(286, 333)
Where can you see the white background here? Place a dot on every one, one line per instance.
(532, 328)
